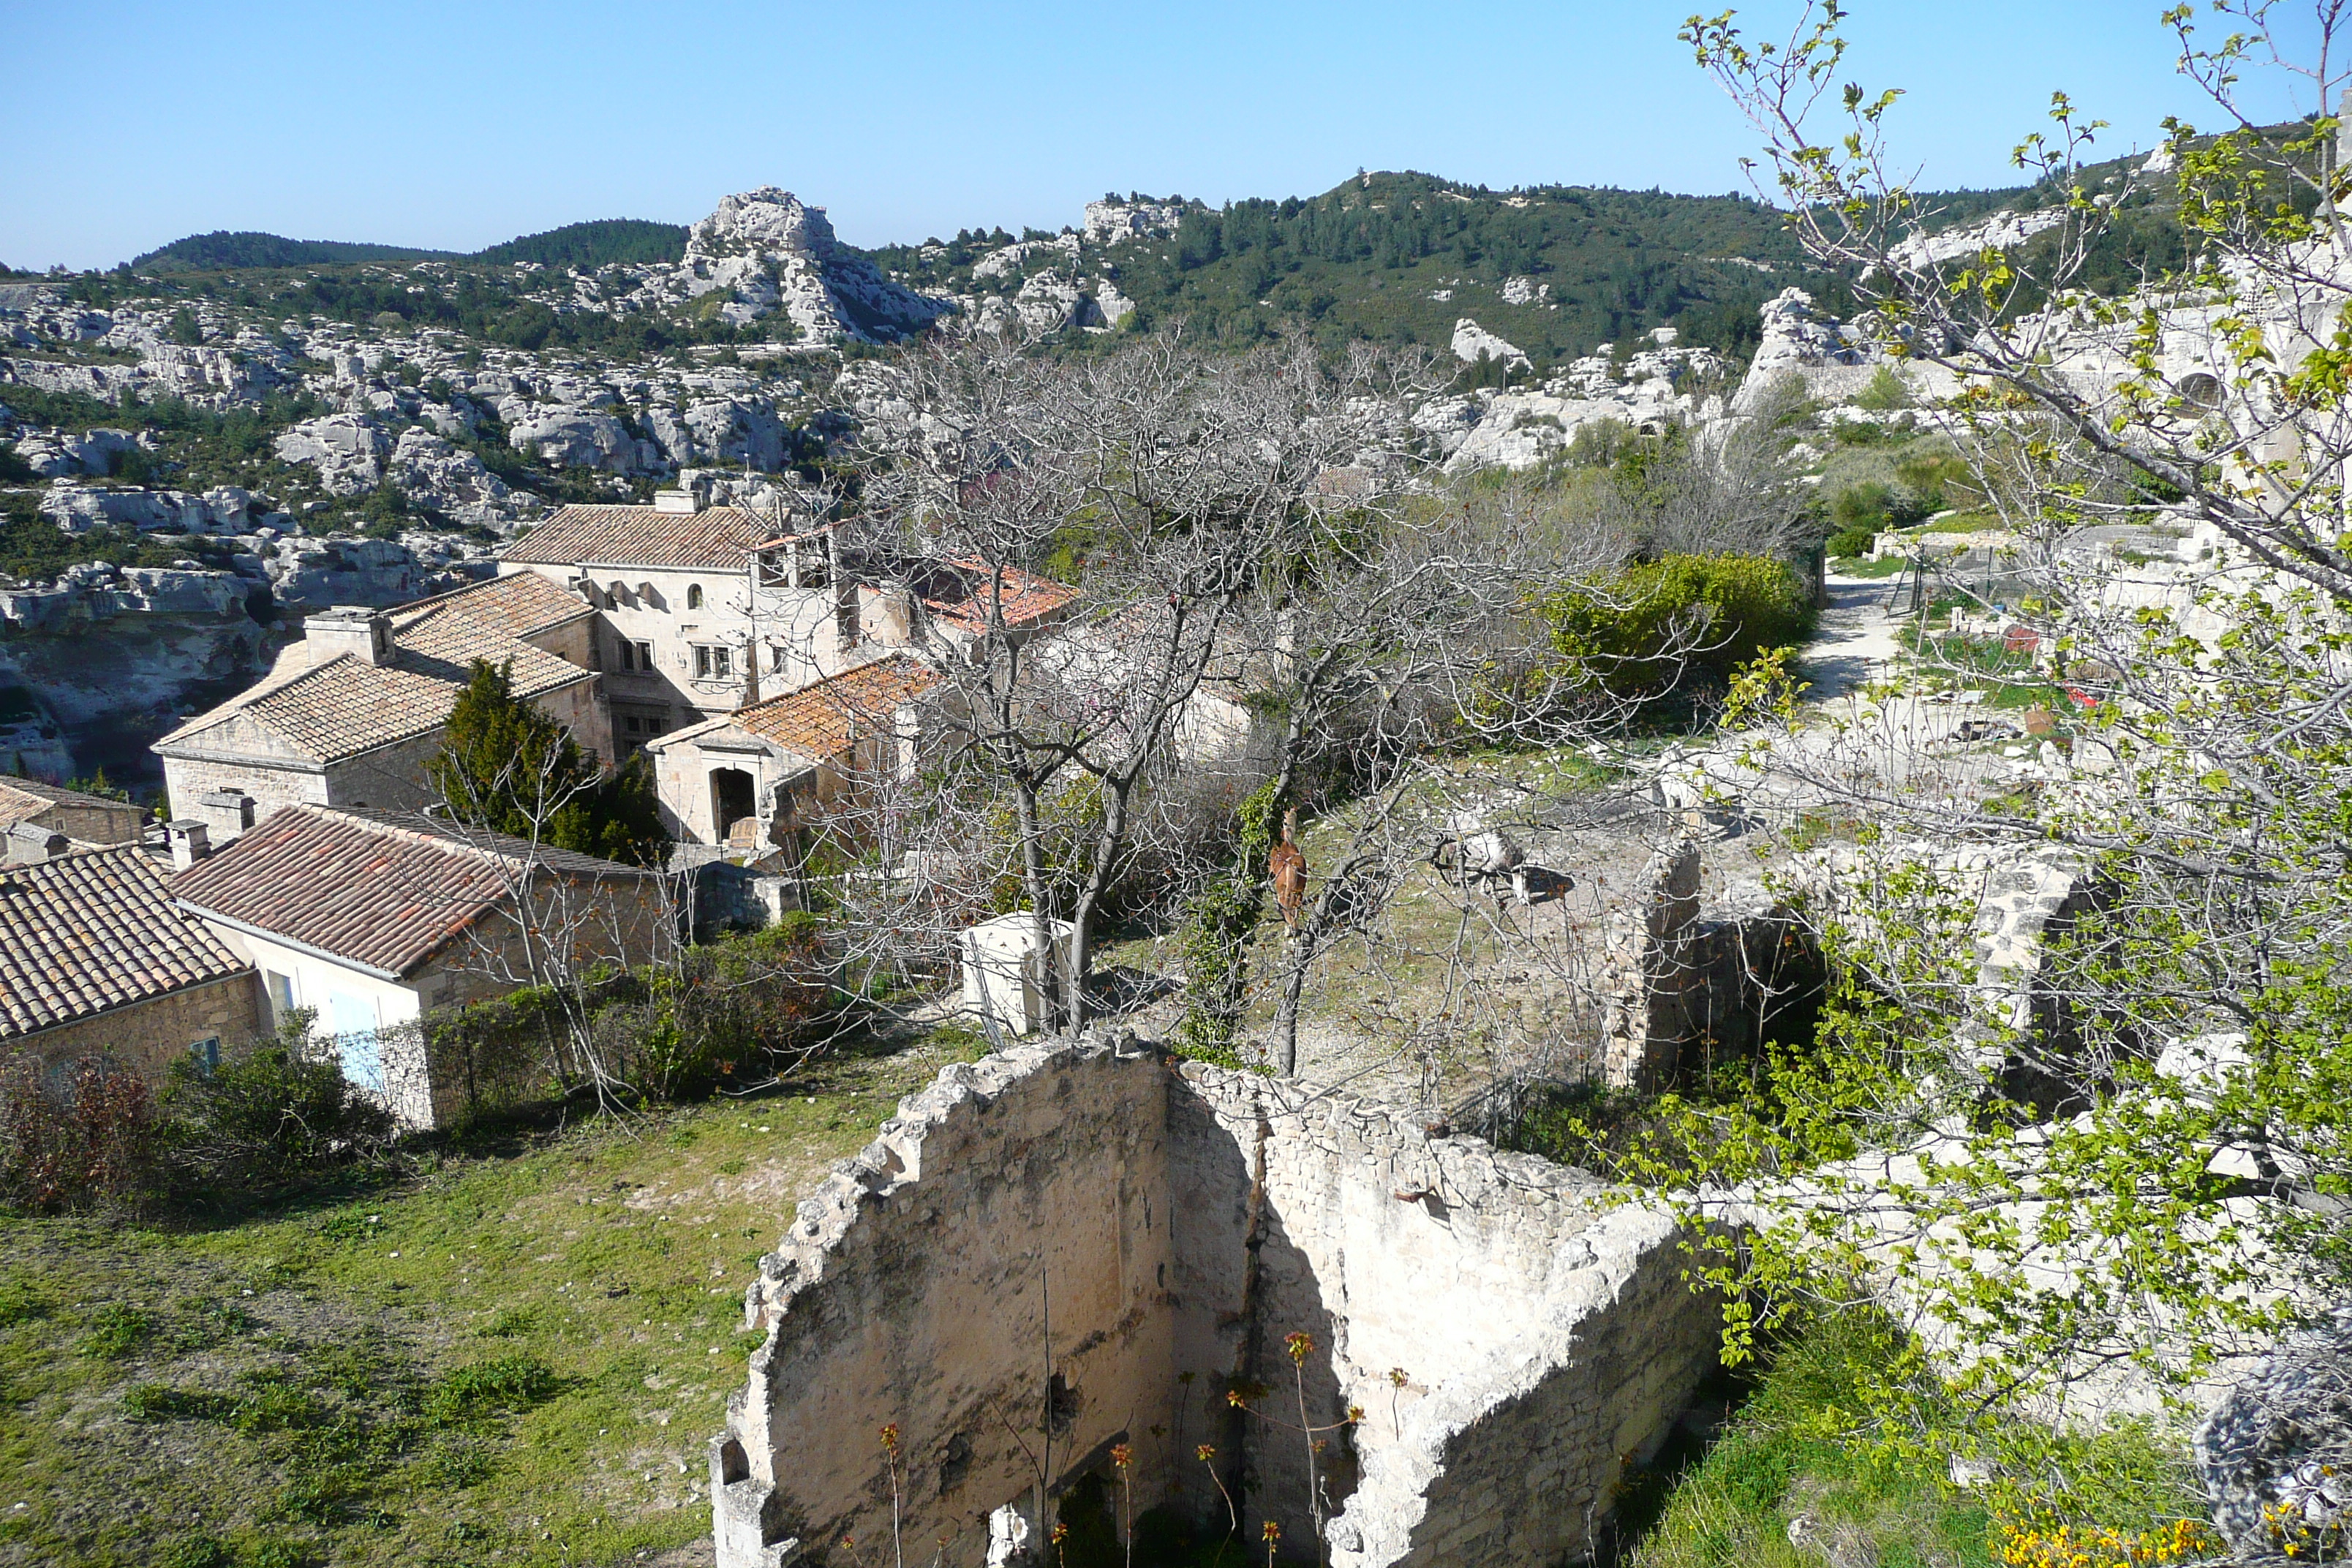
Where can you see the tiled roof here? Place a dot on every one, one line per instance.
(21, 799)
(477, 621)
(384, 890)
(1026, 597)
(345, 706)
(83, 933)
(717, 538)
(819, 722)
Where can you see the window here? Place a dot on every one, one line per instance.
(281, 994)
(637, 655)
(694, 596)
(779, 657)
(644, 657)
(206, 1053)
(713, 663)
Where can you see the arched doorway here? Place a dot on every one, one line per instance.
(730, 800)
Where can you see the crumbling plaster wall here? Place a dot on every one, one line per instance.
(1544, 1334)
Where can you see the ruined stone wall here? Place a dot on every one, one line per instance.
(1543, 1335)
(1186, 1220)
(915, 1288)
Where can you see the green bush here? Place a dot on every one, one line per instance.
(1849, 542)
(268, 1120)
(1643, 631)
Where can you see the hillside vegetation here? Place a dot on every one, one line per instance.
(224, 249)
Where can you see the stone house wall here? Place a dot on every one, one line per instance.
(1544, 1333)
(147, 1038)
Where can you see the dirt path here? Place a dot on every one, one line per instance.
(1855, 641)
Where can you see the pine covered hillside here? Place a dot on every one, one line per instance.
(223, 249)
(594, 244)
(1400, 258)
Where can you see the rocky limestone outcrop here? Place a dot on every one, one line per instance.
(453, 483)
(773, 252)
(307, 574)
(1471, 341)
(348, 450)
(59, 454)
(1113, 222)
(571, 436)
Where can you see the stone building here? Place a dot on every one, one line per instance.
(373, 919)
(97, 961)
(707, 609)
(351, 714)
(1099, 1232)
(34, 814)
(754, 778)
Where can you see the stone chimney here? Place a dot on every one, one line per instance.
(29, 843)
(189, 843)
(227, 813)
(692, 494)
(354, 630)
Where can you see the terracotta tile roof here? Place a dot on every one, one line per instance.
(382, 889)
(345, 706)
(22, 799)
(84, 933)
(819, 722)
(486, 614)
(1027, 597)
(717, 538)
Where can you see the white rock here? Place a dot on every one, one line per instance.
(1471, 340)
(348, 451)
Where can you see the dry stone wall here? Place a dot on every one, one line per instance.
(1154, 1230)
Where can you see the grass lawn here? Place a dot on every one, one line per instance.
(1819, 1465)
(515, 1354)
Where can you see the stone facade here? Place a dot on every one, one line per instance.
(1138, 1235)
(147, 1038)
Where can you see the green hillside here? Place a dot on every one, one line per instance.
(224, 249)
(1400, 258)
(594, 244)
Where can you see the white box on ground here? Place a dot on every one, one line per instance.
(1008, 973)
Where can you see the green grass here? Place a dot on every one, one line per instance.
(518, 1354)
(1857, 567)
(1863, 1472)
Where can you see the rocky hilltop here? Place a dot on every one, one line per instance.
(192, 459)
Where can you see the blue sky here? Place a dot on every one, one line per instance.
(454, 126)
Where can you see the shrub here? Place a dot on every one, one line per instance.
(269, 1119)
(91, 1141)
(1641, 633)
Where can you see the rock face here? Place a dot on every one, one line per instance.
(1471, 340)
(2276, 1452)
(348, 450)
(773, 251)
(453, 483)
(1114, 222)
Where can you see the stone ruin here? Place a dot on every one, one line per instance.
(1097, 1240)
(1685, 987)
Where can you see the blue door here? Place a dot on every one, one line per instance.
(352, 1021)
